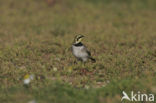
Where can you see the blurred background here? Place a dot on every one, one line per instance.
(35, 41)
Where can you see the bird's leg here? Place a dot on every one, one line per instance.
(75, 62)
(83, 64)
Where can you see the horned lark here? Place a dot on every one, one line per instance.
(80, 51)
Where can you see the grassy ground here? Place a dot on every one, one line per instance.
(35, 39)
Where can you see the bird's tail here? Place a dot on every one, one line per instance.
(92, 59)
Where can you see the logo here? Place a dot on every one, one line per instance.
(137, 96)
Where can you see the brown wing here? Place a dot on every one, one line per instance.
(89, 53)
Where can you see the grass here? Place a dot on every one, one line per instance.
(35, 39)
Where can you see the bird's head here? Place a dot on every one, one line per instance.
(78, 39)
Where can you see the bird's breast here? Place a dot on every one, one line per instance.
(79, 51)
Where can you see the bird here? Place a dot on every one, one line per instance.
(80, 51)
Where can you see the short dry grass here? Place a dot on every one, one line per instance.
(35, 38)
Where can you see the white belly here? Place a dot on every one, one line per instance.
(79, 52)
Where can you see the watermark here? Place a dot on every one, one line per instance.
(137, 97)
